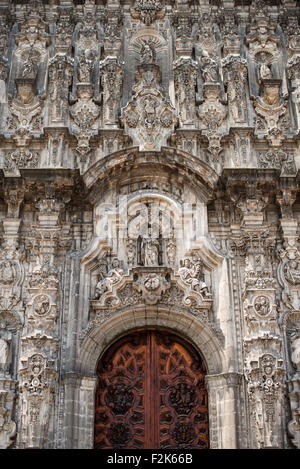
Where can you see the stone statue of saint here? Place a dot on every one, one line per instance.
(85, 65)
(5, 342)
(209, 68)
(150, 252)
(295, 351)
(147, 53)
(265, 72)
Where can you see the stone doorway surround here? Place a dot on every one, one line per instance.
(223, 388)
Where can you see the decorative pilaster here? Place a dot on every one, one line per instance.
(39, 368)
(289, 279)
(11, 310)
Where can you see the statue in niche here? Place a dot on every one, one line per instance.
(171, 251)
(147, 52)
(105, 283)
(150, 251)
(265, 72)
(5, 343)
(85, 65)
(292, 272)
(209, 68)
(295, 351)
(190, 274)
(30, 65)
(131, 252)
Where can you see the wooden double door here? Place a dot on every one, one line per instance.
(151, 394)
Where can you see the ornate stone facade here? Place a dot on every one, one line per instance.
(150, 157)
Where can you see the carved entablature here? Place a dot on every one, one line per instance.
(149, 118)
(151, 286)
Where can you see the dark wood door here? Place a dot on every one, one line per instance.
(151, 394)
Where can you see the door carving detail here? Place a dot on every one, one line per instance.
(151, 394)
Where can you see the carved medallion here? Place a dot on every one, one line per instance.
(262, 305)
(41, 305)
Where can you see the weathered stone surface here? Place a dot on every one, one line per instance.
(149, 157)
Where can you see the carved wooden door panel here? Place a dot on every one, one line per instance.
(151, 394)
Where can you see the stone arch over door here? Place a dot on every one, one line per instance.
(222, 387)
